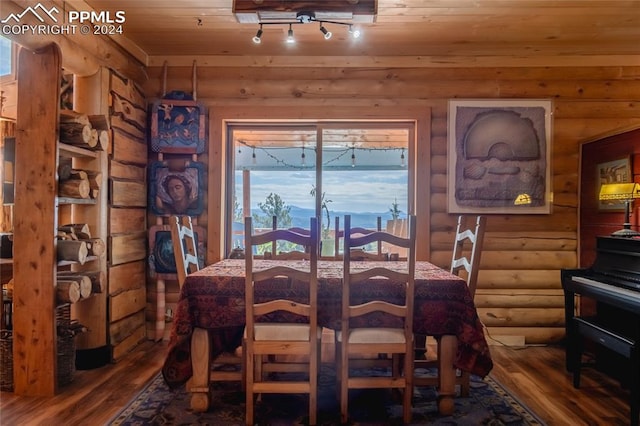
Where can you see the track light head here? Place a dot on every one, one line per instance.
(290, 38)
(327, 34)
(258, 37)
(355, 33)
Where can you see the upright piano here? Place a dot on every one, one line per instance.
(613, 281)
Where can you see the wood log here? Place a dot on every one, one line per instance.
(95, 178)
(98, 279)
(96, 247)
(103, 141)
(94, 138)
(79, 174)
(68, 116)
(77, 134)
(67, 291)
(79, 229)
(84, 282)
(74, 188)
(72, 250)
(64, 171)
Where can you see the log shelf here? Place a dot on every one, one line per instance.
(70, 200)
(66, 150)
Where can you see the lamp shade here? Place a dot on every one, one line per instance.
(620, 191)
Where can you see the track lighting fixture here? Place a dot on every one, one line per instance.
(253, 156)
(327, 34)
(290, 38)
(306, 18)
(303, 157)
(402, 163)
(353, 157)
(355, 33)
(258, 37)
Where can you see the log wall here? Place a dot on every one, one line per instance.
(127, 217)
(519, 291)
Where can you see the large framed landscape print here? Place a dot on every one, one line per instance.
(499, 156)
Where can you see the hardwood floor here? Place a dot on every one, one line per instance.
(536, 375)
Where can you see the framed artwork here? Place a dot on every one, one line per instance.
(162, 262)
(499, 156)
(176, 189)
(616, 171)
(178, 124)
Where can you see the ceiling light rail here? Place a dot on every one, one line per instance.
(306, 18)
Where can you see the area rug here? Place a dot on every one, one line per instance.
(489, 403)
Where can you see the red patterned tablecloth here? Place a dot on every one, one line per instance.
(213, 298)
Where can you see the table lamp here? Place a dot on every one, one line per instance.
(626, 192)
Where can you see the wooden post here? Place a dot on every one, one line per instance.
(246, 193)
(34, 342)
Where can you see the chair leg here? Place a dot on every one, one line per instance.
(465, 383)
(201, 366)
(250, 372)
(344, 385)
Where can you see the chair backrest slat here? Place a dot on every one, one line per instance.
(184, 241)
(471, 264)
(254, 277)
(406, 276)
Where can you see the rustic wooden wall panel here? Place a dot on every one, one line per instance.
(128, 193)
(126, 220)
(128, 148)
(127, 216)
(127, 247)
(519, 282)
(121, 330)
(126, 277)
(124, 347)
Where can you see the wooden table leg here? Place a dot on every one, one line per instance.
(198, 385)
(446, 354)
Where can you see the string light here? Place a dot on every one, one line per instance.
(402, 163)
(336, 156)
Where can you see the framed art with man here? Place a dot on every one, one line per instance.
(176, 190)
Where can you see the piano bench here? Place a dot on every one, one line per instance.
(623, 345)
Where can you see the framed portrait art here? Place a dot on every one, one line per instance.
(176, 190)
(499, 156)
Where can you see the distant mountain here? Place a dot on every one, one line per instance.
(300, 217)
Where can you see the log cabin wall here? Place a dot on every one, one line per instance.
(519, 294)
(127, 217)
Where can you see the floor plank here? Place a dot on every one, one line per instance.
(535, 375)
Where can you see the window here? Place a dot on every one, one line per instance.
(6, 57)
(322, 169)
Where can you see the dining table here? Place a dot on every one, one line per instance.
(210, 315)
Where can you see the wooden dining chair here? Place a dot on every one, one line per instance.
(265, 339)
(225, 367)
(353, 342)
(359, 253)
(292, 254)
(465, 262)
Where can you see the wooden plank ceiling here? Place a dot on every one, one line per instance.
(589, 32)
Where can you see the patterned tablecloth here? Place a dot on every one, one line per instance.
(213, 298)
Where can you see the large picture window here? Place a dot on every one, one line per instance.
(328, 170)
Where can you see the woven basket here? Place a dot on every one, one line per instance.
(66, 351)
(66, 357)
(66, 346)
(6, 360)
